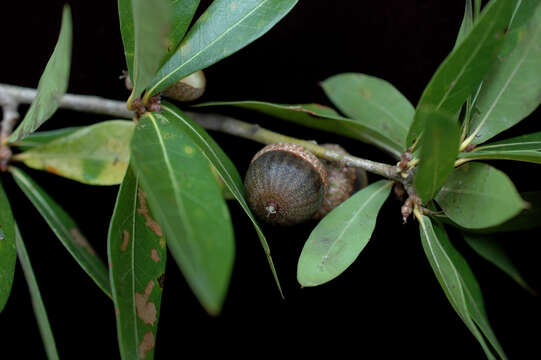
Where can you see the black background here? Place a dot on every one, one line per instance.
(387, 305)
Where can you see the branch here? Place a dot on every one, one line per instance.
(98, 105)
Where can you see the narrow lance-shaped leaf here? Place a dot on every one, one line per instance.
(52, 85)
(373, 101)
(466, 25)
(512, 90)
(439, 148)
(137, 254)
(462, 71)
(188, 204)
(96, 154)
(224, 167)
(523, 142)
(224, 28)
(478, 196)
(320, 117)
(8, 254)
(340, 236)
(37, 303)
(181, 12)
(492, 250)
(43, 137)
(151, 21)
(65, 229)
(436, 246)
(531, 156)
(523, 13)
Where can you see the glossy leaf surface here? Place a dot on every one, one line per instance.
(181, 13)
(478, 196)
(523, 142)
(340, 236)
(531, 156)
(493, 251)
(462, 71)
(65, 229)
(37, 302)
(96, 154)
(151, 22)
(137, 253)
(52, 84)
(319, 117)
(458, 283)
(8, 253)
(439, 148)
(224, 28)
(373, 101)
(512, 90)
(224, 167)
(187, 204)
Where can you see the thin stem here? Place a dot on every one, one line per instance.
(98, 105)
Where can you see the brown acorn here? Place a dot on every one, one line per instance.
(190, 88)
(342, 181)
(285, 184)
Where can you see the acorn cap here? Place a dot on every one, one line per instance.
(342, 182)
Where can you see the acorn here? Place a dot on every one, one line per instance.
(285, 184)
(190, 88)
(342, 182)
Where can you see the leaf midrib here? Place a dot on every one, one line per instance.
(223, 34)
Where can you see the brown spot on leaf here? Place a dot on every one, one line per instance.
(146, 344)
(51, 169)
(154, 255)
(143, 210)
(161, 280)
(117, 311)
(81, 240)
(145, 310)
(125, 240)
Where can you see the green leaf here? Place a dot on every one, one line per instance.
(8, 253)
(523, 142)
(65, 229)
(181, 13)
(493, 251)
(52, 85)
(125, 17)
(37, 303)
(477, 196)
(137, 254)
(151, 22)
(439, 148)
(531, 156)
(224, 28)
(340, 236)
(373, 101)
(44, 137)
(466, 25)
(96, 154)
(224, 167)
(512, 90)
(457, 282)
(523, 13)
(188, 204)
(319, 117)
(462, 71)
(528, 219)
